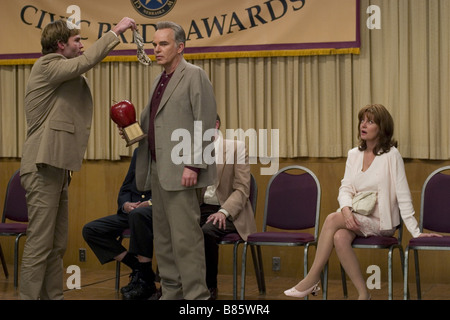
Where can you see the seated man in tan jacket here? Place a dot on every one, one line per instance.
(226, 206)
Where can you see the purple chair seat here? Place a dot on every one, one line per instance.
(231, 237)
(375, 241)
(15, 217)
(284, 237)
(434, 217)
(292, 207)
(379, 242)
(430, 242)
(13, 228)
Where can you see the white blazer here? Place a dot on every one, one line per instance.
(394, 196)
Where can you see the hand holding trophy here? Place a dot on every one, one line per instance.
(123, 114)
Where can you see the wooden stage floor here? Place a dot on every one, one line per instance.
(99, 285)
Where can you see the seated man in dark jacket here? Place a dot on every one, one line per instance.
(134, 213)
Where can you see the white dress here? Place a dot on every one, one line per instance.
(370, 225)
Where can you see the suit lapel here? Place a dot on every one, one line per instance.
(176, 78)
(219, 169)
(220, 166)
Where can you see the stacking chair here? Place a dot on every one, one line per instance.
(435, 217)
(380, 242)
(235, 239)
(292, 207)
(15, 217)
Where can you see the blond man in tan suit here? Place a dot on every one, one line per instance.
(226, 206)
(58, 109)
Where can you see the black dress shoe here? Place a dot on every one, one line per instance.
(134, 276)
(141, 291)
(213, 293)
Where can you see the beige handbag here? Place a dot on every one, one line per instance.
(364, 202)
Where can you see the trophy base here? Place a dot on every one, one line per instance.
(133, 133)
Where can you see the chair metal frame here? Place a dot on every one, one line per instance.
(23, 219)
(125, 234)
(5, 267)
(416, 248)
(306, 245)
(358, 244)
(235, 239)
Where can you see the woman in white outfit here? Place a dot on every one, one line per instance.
(375, 165)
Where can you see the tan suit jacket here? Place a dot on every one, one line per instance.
(178, 237)
(233, 185)
(189, 97)
(58, 108)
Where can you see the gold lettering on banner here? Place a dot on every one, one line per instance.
(255, 15)
(235, 28)
(206, 27)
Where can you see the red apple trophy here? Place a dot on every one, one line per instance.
(123, 114)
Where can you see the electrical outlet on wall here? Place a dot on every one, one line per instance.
(276, 264)
(82, 254)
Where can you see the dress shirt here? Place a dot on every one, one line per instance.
(154, 106)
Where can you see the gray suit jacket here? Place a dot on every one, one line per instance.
(189, 97)
(58, 108)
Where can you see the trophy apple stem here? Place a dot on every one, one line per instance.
(133, 133)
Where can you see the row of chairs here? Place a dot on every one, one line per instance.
(292, 207)
(15, 218)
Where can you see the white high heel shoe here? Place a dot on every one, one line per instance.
(292, 292)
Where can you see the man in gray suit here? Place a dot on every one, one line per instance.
(58, 109)
(181, 101)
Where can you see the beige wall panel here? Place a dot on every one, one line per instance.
(93, 194)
